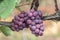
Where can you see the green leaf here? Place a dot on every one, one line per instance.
(6, 30)
(6, 7)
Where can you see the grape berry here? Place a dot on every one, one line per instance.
(32, 19)
(18, 23)
(36, 24)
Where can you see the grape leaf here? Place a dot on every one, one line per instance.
(6, 30)
(6, 7)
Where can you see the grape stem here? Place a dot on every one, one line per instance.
(5, 23)
(55, 16)
(56, 5)
(35, 4)
(32, 4)
(51, 17)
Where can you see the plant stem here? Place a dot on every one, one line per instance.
(5, 23)
(33, 2)
(56, 5)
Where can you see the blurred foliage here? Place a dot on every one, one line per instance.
(6, 7)
(1, 1)
(6, 30)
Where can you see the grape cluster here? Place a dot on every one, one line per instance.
(35, 23)
(18, 23)
(31, 19)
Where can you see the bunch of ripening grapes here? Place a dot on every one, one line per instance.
(32, 19)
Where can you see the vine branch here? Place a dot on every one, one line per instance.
(5, 23)
(56, 5)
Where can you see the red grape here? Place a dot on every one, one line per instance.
(32, 19)
(36, 24)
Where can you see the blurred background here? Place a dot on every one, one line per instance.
(52, 28)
